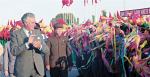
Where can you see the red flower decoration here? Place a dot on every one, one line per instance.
(5, 34)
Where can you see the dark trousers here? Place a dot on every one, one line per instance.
(98, 67)
(87, 72)
(107, 73)
(138, 75)
(126, 64)
(56, 72)
(79, 64)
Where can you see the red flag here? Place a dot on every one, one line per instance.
(14, 22)
(8, 23)
(109, 15)
(71, 1)
(87, 1)
(19, 23)
(95, 1)
(92, 2)
(118, 14)
(84, 2)
(61, 21)
(52, 24)
(11, 24)
(100, 18)
(65, 2)
(41, 21)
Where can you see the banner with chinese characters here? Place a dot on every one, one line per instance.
(144, 11)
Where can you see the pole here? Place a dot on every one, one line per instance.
(87, 12)
(95, 13)
(90, 11)
(64, 15)
(124, 4)
(84, 13)
(77, 21)
(70, 14)
(98, 11)
(67, 14)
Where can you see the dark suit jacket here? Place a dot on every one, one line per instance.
(26, 58)
(59, 52)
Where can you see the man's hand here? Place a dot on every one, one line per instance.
(6, 72)
(70, 68)
(36, 44)
(48, 67)
(30, 39)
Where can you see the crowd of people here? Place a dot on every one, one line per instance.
(112, 47)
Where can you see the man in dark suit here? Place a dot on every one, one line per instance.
(59, 57)
(27, 45)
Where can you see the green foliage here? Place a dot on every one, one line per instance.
(54, 20)
(69, 16)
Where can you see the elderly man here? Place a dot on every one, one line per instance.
(27, 45)
(59, 57)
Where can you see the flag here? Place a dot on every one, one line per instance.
(52, 24)
(65, 2)
(14, 22)
(19, 23)
(71, 1)
(92, 2)
(8, 23)
(100, 18)
(95, 1)
(118, 14)
(61, 21)
(41, 21)
(84, 2)
(109, 15)
(11, 24)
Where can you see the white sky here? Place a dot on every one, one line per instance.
(48, 9)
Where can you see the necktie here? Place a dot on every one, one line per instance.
(30, 46)
(29, 33)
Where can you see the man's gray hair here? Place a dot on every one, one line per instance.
(25, 16)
